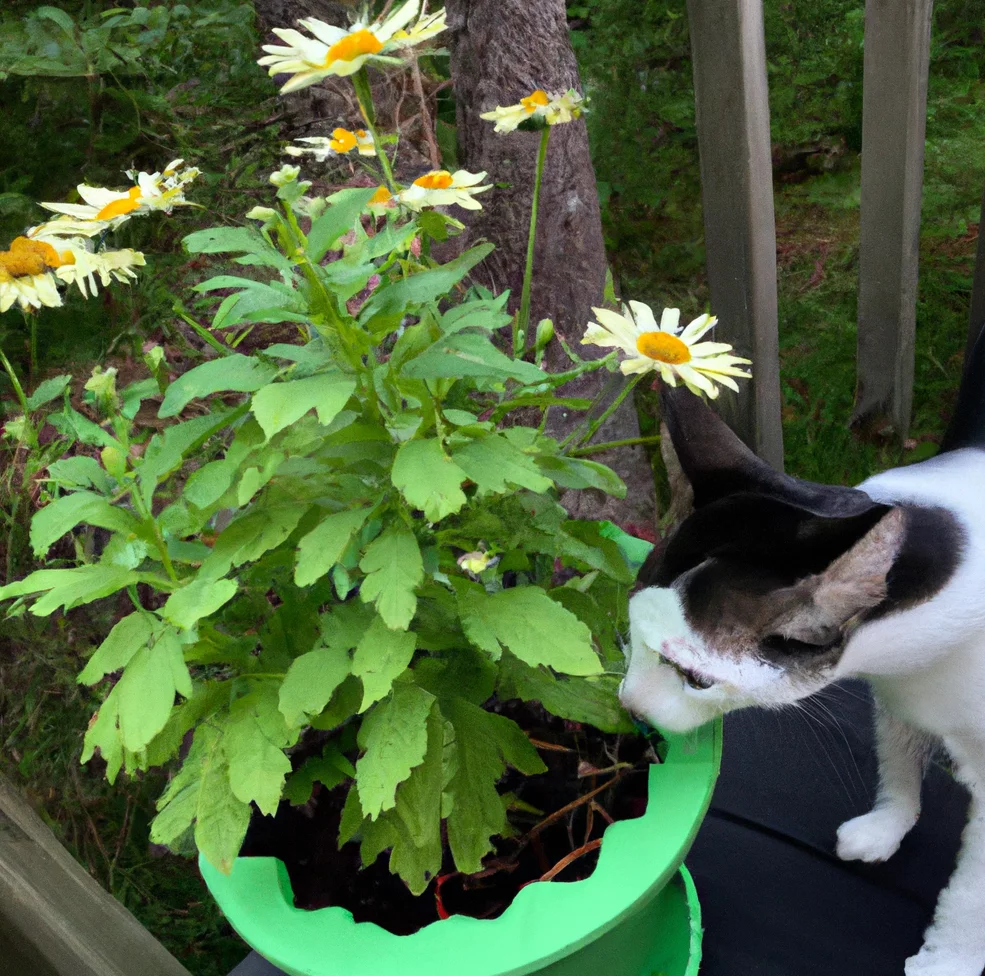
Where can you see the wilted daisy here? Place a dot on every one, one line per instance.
(334, 51)
(26, 274)
(439, 188)
(381, 201)
(343, 141)
(151, 191)
(538, 107)
(665, 349)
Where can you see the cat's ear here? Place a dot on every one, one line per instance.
(718, 464)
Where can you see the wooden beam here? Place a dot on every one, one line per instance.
(731, 100)
(55, 920)
(977, 318)
(894, 123)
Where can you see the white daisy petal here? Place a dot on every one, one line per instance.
(620, 327)
(639, 365)
(698, 327)
(643, 317)
(670, 320)
(326, 33)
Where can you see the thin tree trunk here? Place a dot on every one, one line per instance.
(501, 52)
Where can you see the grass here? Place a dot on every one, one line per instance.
(201, 97)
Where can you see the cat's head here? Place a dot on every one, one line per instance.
(753, 599)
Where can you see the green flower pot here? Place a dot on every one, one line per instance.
(636, 915)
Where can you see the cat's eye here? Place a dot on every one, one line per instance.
(695, 680)
(790, 645)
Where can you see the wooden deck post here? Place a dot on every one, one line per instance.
(54, 919)
(894, 123)
(730, 90)
(977, 318)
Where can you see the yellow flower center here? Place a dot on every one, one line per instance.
(118, 208)
(382, 195)
(439, 179)
(342, 140)
(353, 46)
(663, 347)
(535, 100)
(26, 258)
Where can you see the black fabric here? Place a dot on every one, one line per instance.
(775, 899)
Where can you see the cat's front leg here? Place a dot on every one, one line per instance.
(876, 835)
(954, 945)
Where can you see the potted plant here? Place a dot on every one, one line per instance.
(340, 568)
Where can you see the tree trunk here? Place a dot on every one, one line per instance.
(501, 52)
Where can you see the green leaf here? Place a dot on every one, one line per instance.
(533, 626)
(256, 736)
(122, 642)
(477, 314)
(416, 818)
(80, 471)
(583, 541)
(394, 567)
(428, 479)
(280, 404)
(494, 463)
(338, 219)
(209, 483)
(199, 598)
(470, 354)
(241, 374)
(264, 527)
(73, 425)
(425, 286)
(331, 769)
(310, 681)
(48, 391)
(578, 473)
(393, 736)
(64, 514)
(594, 701)
(381, 655)
(323, 546)
(59, 17)
(483, 743)
(218, 240)
(147, 689)
(104, 734)
(70, 587)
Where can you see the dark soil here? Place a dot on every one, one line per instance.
(592, 780)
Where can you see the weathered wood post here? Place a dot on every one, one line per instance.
(729, 54)
(54, 919)
(977, 318)
(894, 124)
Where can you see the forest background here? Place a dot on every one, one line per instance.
(180, 80)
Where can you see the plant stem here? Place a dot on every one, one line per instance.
(522, 325)
(605, 415)
(609, 445)
(32, 327)
(364, 95)
(18, 389)
(201, 331)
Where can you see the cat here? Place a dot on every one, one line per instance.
(775, 587)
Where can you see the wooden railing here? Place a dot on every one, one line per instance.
(729, 57)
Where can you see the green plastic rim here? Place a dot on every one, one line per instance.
(546, 923)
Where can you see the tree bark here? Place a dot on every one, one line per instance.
(501, 52)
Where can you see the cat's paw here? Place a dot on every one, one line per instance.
(875, 836)
(939, 962)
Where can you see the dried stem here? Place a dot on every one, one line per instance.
(568, 859)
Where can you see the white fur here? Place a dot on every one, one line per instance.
(926, 665)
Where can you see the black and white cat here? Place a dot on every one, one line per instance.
(775, 587)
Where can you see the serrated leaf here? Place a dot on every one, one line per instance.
(147, 689)
(338, 219)
(578, 473)
(70, 587)
(394, 568)
(583, 541)
(279, 405)
(323, 546)
(64, 514)
(199, 598)
(104, 734)
(237, 373)
(217, 240)
(209, 483)
(73, 425)
(470, 354)
(80, 471)
(428, 479)
(122, 642)
(331, 769)
(380, 656)
(311, 680)
(256, 736)
(393, 736)
(483, 743)
(534, 627)
(48, 390)
(493, 463)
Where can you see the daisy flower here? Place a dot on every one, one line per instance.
(439, 188)
(665, 349)
(151, 191)
(381, 201)
(334, 51)
(26, 275)
(539, 107)
(343, 141)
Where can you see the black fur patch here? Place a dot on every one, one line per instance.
(967, 426)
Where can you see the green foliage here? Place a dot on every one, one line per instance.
(302, 547)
